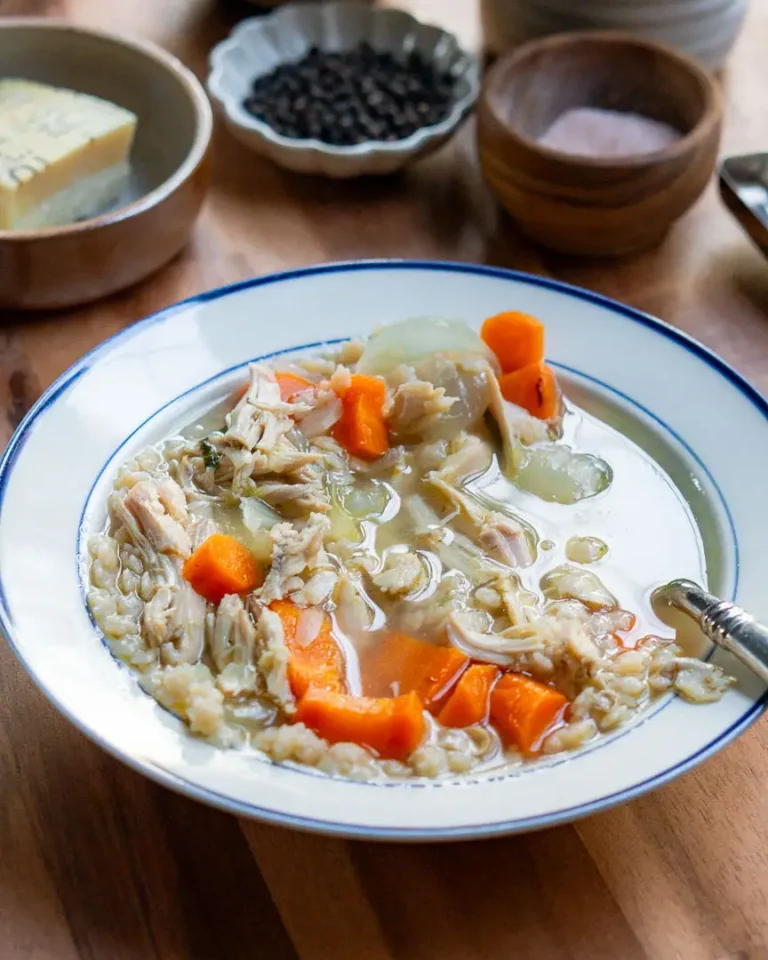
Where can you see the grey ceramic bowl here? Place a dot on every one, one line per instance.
(75, 263)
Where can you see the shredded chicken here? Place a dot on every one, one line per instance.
(303, 494)
(503, 539)
(506, 541)
(415, 406)
(296, 552)
(354, 609)
(324, 413)
(273, 660)
(520, 605)
(174, 621)
(161, 512)
(234, 633)
(260, 417)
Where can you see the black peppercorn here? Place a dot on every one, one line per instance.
(352, 96)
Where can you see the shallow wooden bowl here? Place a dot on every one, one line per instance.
(75, 263)
(580, 205)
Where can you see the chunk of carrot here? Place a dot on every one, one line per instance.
(470, 701)
(533, 387)
(222, 565)
(524, 711)
(391, 726)
(400, 664)
(289, 615)
(318, 665)
(362, 429)
(290, 384)
(517, 339)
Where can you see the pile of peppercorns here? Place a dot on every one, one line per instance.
(352, 97)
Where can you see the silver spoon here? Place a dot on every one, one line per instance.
(721, 622)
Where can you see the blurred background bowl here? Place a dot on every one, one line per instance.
(260, 44)
(75, 263)
(704, 29)
(585, 205)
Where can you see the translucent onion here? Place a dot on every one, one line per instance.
(416, 339)
(555, 473)
(469, 387)
(258, 518)
(366, 502)
(258, 515)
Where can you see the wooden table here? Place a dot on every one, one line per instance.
(97, 862)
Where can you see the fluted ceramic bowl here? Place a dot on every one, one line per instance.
(260, 44)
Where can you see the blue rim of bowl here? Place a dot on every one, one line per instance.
(355, 831)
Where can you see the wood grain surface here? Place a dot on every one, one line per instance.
(97, 863)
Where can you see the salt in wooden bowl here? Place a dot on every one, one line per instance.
(602, 206)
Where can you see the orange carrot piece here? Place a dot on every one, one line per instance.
(517, 339)
(362, 428)
(533, 387)
(391, 726)
(319, 665)
(401, 664)
(222, 565)
(524, 711)
(470, 701)
(289, 617)
(290, 384)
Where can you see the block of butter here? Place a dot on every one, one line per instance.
(64, 156)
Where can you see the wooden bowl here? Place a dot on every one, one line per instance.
(75, 263)
(605, 206)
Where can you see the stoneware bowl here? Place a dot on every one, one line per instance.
(163, 372)
(75, 263)
(260, 44)
(596, 206)
(701, 28)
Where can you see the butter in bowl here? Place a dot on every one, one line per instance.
(597, 142)
(104, 145)
(64, 156)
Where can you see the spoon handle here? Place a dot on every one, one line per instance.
(723, 623)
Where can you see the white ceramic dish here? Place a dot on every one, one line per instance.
(704, 29)
(260, 44)
(60, 463)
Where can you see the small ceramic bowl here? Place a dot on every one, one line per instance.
(260, 44)
(71, 264)
(596, 206)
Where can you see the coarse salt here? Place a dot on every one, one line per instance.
(594, 132)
